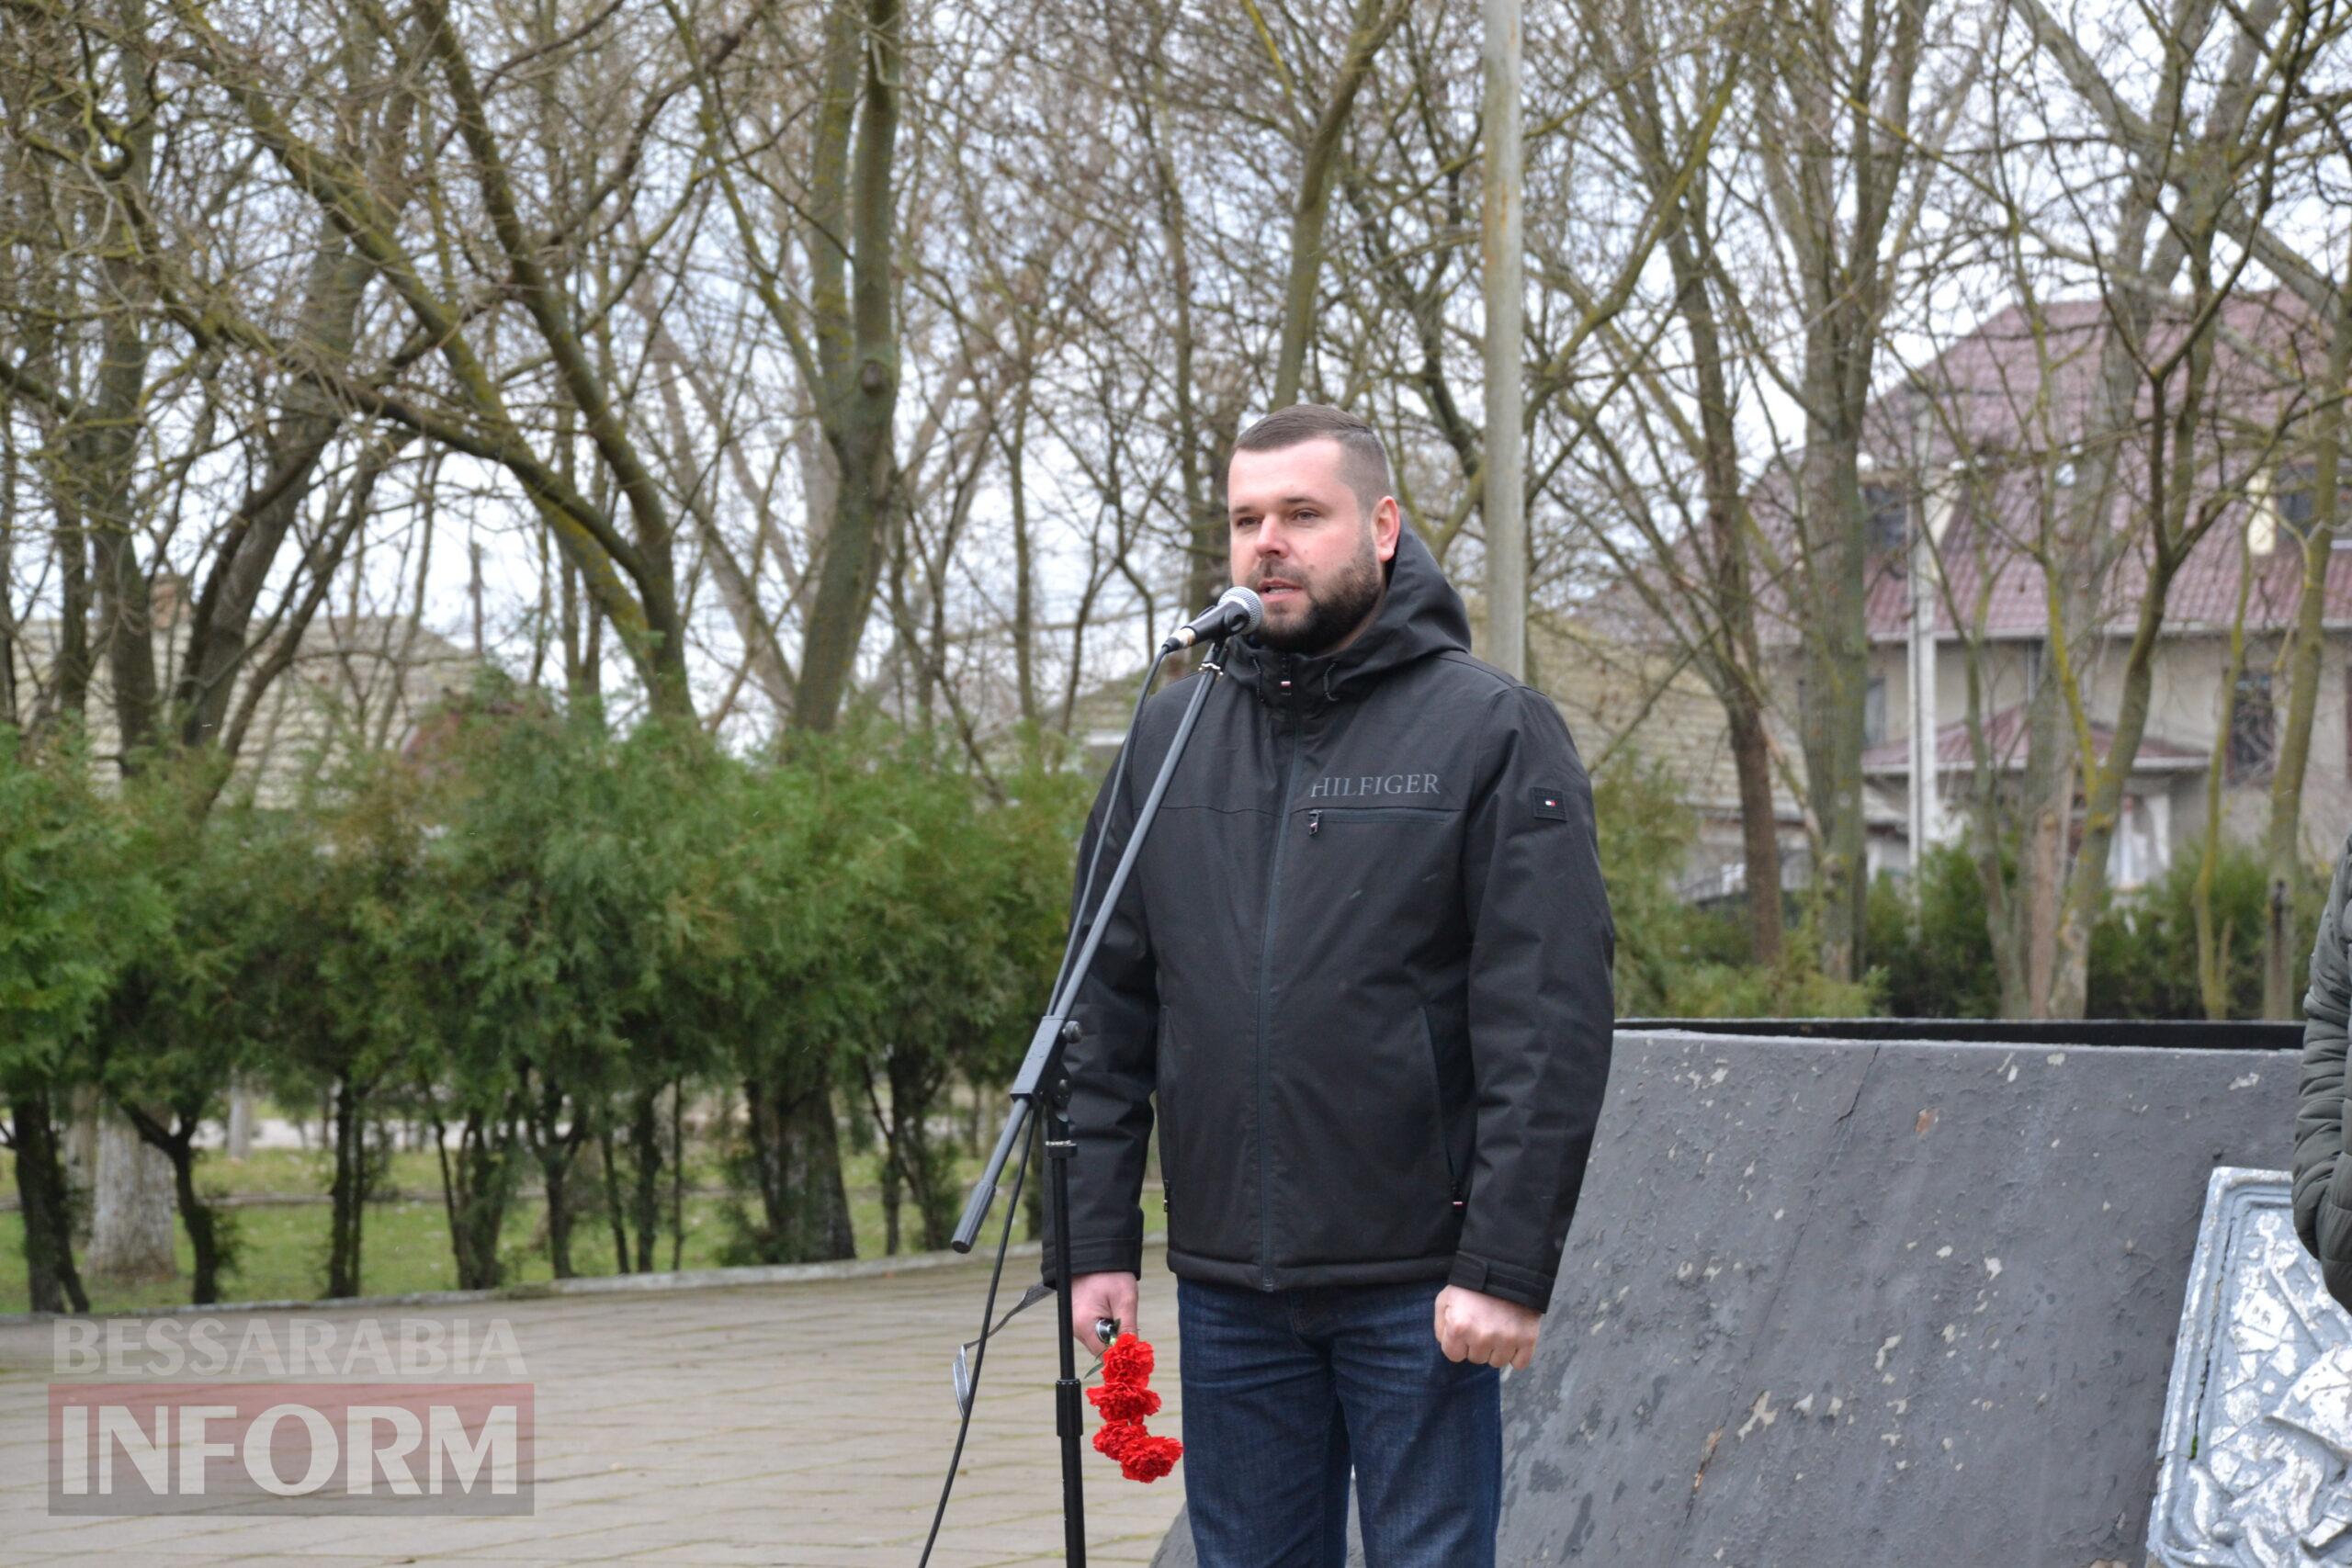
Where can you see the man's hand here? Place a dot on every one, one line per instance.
(1482, 1329)
(1101, 1295)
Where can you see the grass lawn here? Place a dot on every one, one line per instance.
(406, 1241)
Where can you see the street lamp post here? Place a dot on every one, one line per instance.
(1505, 507)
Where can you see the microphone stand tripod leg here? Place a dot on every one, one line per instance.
(1069, 1424)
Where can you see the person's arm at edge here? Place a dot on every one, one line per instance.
(2319, 1105)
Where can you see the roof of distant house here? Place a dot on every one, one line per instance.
(2007, 746)
(2001, 435)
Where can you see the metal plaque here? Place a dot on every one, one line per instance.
(2257, 1429)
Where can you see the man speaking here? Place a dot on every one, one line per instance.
(1362, 975)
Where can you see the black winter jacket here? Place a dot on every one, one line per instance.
(1362, 967)
(2322, 1177)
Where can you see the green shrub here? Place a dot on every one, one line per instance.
(78, 906)
(1680, 960)
(2144, 959)
(1926, 941)
(1930, 947)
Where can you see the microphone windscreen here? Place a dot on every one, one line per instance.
(1248, 599)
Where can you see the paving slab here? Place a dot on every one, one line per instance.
(805, 1423)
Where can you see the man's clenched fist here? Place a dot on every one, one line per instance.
(1101, 1295)
(1485, 1330)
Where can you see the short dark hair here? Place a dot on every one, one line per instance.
(1364, 460)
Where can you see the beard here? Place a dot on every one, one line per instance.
(1334, 610)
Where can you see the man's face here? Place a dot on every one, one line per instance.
(1300, 539)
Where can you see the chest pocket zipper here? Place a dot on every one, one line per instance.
(1362, 816)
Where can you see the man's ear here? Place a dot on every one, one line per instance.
(1387, 524)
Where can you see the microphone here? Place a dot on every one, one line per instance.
(1238, 610)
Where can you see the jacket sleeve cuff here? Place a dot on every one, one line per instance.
(2305, 1193)
(1502, 1281)
(1094, 1258)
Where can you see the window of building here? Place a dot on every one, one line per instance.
(2253, 730)
(1874, 711)
(2137, 855)
(2295, 496)
(1889, 512)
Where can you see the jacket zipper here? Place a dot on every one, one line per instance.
(1265, 978)
(1370, 813)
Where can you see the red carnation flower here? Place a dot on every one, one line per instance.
(1148, 1458)
(1120, 1403)
(1127, 1362)
(1124, 1400)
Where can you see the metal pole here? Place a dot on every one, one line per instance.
(1925, 816)
(1506, 460)
(1929, 505)
(1070, 1422)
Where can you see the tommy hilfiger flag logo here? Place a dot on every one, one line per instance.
(1551, 803)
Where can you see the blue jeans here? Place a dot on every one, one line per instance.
(1285, 1391)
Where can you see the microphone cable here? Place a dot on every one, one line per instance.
(1021, 1170)
(979, 1355)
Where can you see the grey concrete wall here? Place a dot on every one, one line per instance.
(1844, 1305)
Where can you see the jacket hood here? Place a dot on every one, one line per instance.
(1420, 615)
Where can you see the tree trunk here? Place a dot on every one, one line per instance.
(54, 1284)
(645, 1146)
(1367, 30)
(2284, 843)
(678, 1172)
(2213, 943)
(239, 1141)
(615, 1216)
(306, 422)
(348, 1192)
(1837, 666)
(206, 1243)
(75, 664)
(107, 456)
(1837, 135)
(131, 1222)
(797, 1148)
(1760, 832)
(555, 1174)
(1014, 444)
(858, 336)
(1206, 569)
(476, 1183)
(208, 1239)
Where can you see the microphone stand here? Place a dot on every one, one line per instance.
(1041, 1086)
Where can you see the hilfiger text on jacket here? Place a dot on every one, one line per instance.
(1353, 786)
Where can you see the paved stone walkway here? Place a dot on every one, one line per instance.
(805, 1425)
